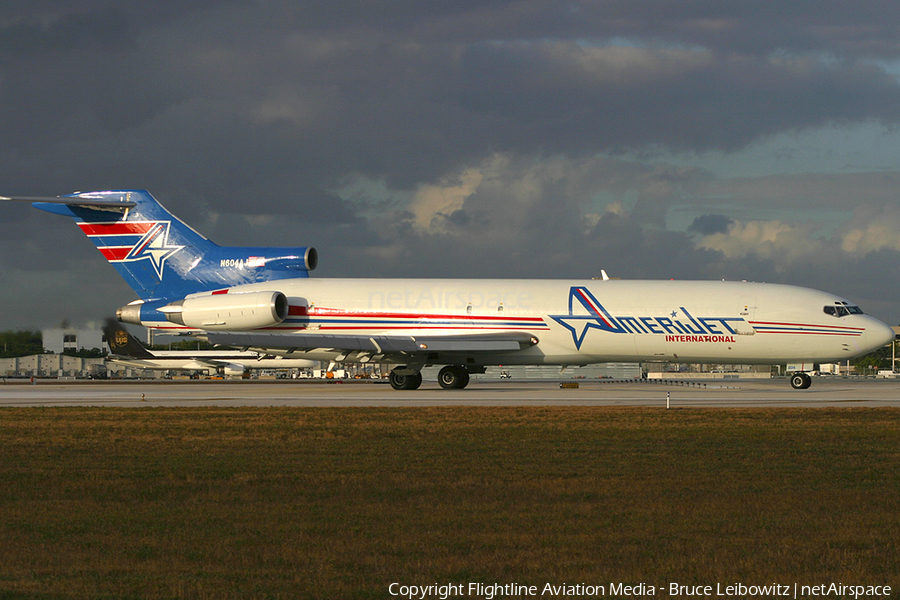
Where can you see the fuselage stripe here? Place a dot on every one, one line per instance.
(418, 328)
(800, 325)
(334, 314)
(813, 332)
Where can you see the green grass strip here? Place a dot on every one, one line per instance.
(340, 502)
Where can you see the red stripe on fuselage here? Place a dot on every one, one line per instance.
(384, 328)
(807, 332)
(771, 323)
(336, 312)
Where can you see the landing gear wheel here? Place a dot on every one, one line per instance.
(453, 377)
(800, 381)
(405, 382)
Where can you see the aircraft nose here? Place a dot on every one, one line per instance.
(879, 335)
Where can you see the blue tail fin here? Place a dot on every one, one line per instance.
(160, 256)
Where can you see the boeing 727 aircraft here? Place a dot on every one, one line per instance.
(264, 299)
(126, 350)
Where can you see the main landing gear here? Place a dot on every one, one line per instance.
(800, 381)
(451, 377)
(405, 382)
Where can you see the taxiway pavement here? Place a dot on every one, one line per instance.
(824, 392)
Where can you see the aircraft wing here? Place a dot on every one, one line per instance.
(378, 344)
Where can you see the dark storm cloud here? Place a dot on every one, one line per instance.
(64, 32)
(556, 97)
(249, 118)
(236, 91)
(710, 224)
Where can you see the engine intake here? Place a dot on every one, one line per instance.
(248, 310)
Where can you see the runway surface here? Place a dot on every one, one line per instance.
(824, 392)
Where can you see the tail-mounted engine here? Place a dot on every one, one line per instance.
(235, 311)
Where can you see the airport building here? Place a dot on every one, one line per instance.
(52, 365)
(61, 339)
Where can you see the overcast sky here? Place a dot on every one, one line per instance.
(700, 139)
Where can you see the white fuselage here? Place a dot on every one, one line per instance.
(590, 321)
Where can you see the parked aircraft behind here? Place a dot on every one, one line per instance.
(126, 350)
(263, 299)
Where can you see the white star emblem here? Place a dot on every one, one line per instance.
(154, 246)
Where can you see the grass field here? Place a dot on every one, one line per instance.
(339, 503)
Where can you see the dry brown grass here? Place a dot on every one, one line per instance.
(330, 503)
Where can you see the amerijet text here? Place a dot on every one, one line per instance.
(490, 591)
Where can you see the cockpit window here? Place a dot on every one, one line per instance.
(842, 309)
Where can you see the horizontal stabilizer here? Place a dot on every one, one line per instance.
(85, 201)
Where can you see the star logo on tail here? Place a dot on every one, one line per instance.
(154, 246)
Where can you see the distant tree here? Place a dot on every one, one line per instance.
(20, 343)
(85, 353)
(879, 359)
